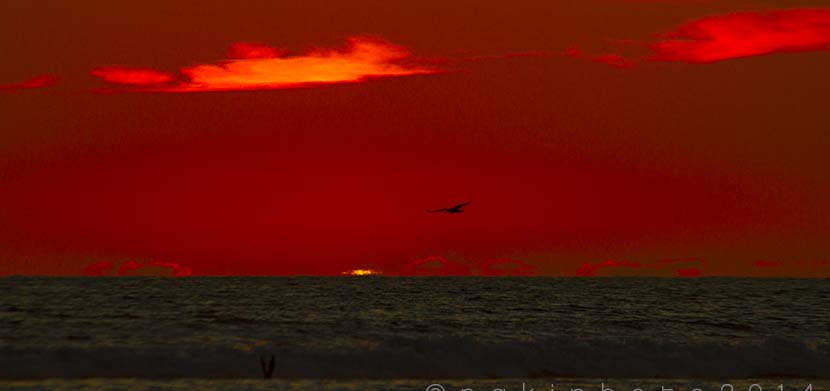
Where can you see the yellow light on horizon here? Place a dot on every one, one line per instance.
(362, 272)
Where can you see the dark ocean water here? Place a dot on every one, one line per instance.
(356, 332)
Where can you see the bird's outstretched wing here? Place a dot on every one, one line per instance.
(454, 209)
(461, 205)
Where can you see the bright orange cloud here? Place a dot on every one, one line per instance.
(745, 34)
(255, 66)
(132, 76)
(362, 272)
(39, 81)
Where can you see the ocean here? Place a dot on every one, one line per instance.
(391, 333)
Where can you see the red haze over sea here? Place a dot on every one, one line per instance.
(594, 138)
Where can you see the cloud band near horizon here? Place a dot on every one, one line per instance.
(253, 66)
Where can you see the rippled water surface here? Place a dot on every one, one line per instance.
(413, 328)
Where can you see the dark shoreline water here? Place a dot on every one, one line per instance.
(388, 328)
(566, 384)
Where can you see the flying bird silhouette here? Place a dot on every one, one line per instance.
(454, 209)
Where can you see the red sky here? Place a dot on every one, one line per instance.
(594, 137)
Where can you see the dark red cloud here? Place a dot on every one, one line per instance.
(672, 2)
(682, 260)
(39, 81)
(157, 268)
(506, 267)
(250, 50)
(680, 267)
(745, 34)
(254, 66)
(724, 37)
(790, 267)
(590, 270)
(98, 269)
(611, 59)
(763, 263)
(132, 76)
(133, 268)
(530, 53)
(688, 272)
(574, 51)
(614, 60)
(435, 266)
